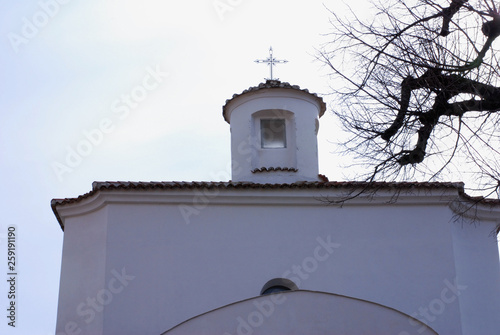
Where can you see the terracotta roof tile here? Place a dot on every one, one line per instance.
(172, 185)
(275, 84)
(271, 169)
(323, 178)
(324, 184)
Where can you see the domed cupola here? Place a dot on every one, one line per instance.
(274, 130)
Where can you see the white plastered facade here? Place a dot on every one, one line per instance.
(153, 258)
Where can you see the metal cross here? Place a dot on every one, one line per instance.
(271, 61)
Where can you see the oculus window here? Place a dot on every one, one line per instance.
(273, 133)
(275, 289)
(278, 285)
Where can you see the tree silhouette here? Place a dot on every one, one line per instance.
(420, 89)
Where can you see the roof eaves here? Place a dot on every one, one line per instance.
(176, 185)
(275, 84)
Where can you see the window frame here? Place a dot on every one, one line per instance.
(266, 144)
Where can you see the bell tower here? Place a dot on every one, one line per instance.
(274, 130)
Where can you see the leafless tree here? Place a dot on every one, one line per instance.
(420, 93)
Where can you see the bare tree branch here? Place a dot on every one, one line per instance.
(420, 67)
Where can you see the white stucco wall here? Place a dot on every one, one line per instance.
(83, 269)
(478, 268)
(303, 112)
(302, 312)
(185, 252)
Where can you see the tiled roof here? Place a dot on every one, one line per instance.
(323, 178)
(275, 84)
(324, 184)
(175, 185)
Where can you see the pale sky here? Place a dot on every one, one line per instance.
(67, 69)
(144, 83)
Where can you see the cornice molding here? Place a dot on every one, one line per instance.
(333, 197)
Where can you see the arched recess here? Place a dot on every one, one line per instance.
(303, 312)
(274, 133)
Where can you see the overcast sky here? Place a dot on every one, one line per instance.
(144, 82)
(129, 90)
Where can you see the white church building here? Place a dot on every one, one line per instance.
(273, 251)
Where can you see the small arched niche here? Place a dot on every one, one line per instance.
(278, 285)
(273, 132)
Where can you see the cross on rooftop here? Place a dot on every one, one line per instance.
(271, 61)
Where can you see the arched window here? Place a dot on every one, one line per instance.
(278, 285)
